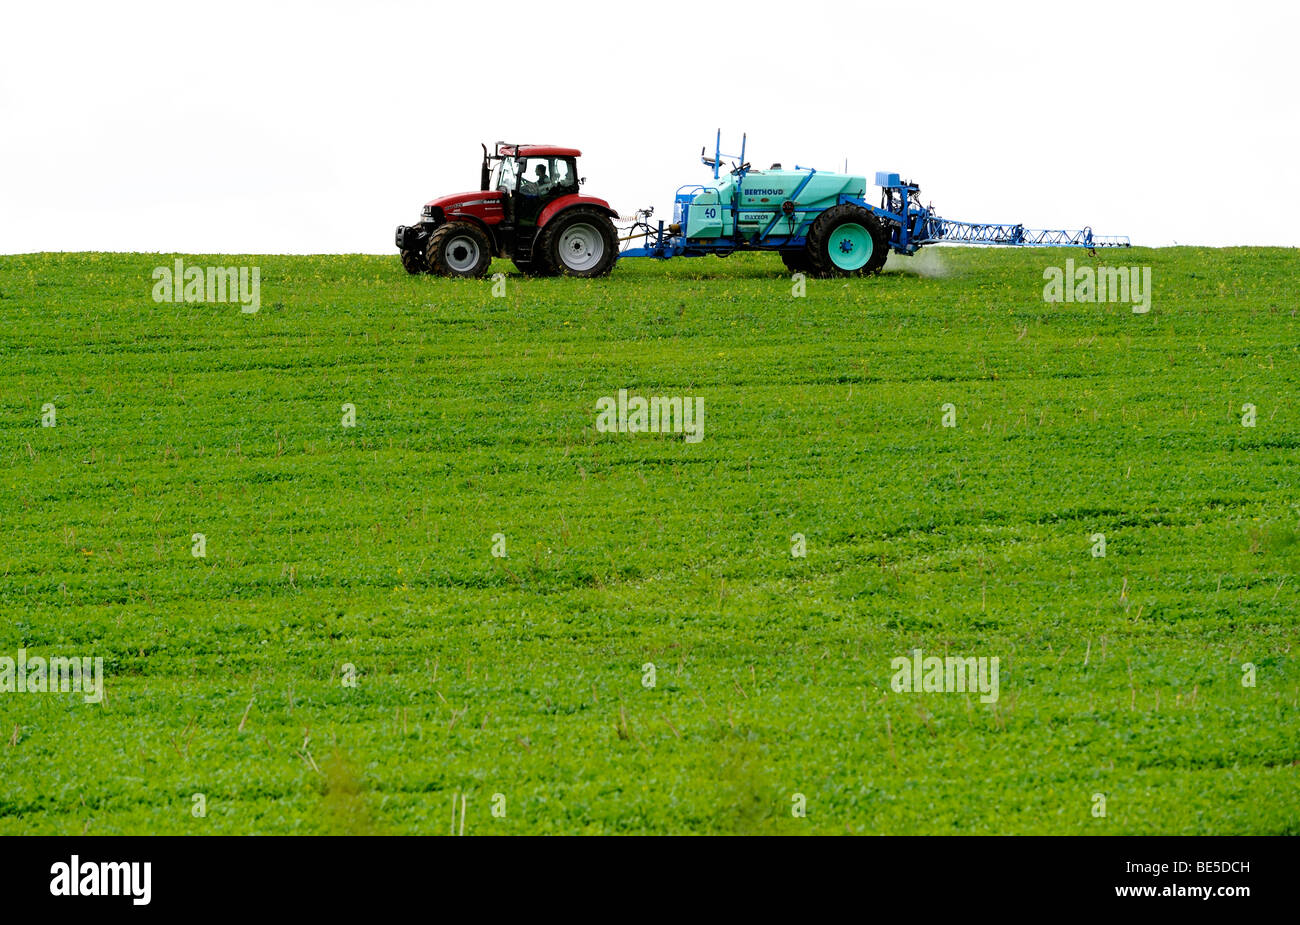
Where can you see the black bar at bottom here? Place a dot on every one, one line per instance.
(1220, 875)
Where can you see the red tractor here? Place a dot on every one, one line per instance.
(529, 209)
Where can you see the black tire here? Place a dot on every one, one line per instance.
(413, 262)
(797, 261)
(580, 241)
(459, 249)
(822, 237)
(881, 253)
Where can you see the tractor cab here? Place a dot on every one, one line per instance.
(531, 177)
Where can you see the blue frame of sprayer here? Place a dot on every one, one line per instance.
(911, 225)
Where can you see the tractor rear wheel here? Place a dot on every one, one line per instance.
(459, 249)
(579, 242)
(847, 240)
(797, 261)
(413, 262)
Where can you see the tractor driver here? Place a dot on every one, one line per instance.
(539, 184)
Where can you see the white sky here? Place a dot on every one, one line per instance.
(295, 127)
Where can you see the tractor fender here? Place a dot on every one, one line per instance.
(566, 202)
(441, 218)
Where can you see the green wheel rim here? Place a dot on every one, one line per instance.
(850, 246)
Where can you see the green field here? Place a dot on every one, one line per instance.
(522, 676)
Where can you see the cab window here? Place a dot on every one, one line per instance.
(506, 176)
(544, 176)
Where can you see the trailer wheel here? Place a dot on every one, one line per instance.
(797, 261)
(881, 252)
(579, 242)
(459, 249)
(845, 241)
(413, 261)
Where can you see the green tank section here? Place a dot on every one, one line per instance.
(761, 195)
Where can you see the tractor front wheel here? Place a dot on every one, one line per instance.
(459, 249)
(413, 262)
(580, 242)
(847, 240)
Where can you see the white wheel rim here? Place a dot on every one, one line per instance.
(461, 253)
(581, 247)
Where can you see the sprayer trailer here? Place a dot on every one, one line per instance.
(819, 221)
